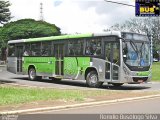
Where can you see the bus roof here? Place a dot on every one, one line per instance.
(61, 37)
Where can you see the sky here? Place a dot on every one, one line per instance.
(74, 16)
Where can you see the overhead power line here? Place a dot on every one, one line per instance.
(119, 3)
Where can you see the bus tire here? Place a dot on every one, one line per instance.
(92, 80)
(117, 84)
(32, 74)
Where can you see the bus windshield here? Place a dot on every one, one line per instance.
(136, 53)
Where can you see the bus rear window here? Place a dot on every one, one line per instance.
(11, 50)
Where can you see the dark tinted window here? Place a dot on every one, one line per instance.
(27, 50)
(11, 50)
(75, 47)
(93, 47)
(36, 49)
(19, 50)
(46, 48)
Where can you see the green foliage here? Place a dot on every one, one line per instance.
(155, 54)
(156, 71)
(5, 14)
(28, 28)
(15, 95)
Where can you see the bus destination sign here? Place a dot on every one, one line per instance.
(147, 8)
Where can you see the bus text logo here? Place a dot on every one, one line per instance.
(147, 7)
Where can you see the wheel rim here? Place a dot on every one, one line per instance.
(93, 79)
(32, 74)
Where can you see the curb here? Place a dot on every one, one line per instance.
(77, 105)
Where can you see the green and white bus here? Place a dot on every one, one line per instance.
(113, 57)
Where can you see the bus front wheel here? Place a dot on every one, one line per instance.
(92, 79)
(32, 74)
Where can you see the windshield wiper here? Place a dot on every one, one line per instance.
(140, 50)
(134, 47)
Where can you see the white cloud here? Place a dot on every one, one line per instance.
(73, 15)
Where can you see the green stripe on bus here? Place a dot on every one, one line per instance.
(59, 37)
(145, 73)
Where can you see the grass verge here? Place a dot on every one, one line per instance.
(17, 95)
(156, 71)
(10, 95)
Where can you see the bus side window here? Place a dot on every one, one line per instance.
(46, 48)
(71, 48)
(93, 47)
(36, 49)
(11, 50)
(116, 54)
(75, 47)
(27, 51)
(108, 51)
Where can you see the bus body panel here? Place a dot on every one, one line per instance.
(43, 65)
(70, 67)
(83, 63)
(100, 66)
(12, 64)
(128, 76)
(74, 67)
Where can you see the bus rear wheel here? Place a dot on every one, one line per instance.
(32, 74)
(92, 80)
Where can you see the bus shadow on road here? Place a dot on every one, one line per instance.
(78, 83)
(82, 84)
(6, 82)
(126, 87)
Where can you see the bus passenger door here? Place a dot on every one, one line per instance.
(19, 52)
(112, 54)
(59, 55)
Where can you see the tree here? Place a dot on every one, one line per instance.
(149, 26)
(29, 28)
(26, 28)
(5, 14)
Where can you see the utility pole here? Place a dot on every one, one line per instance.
(41, 12)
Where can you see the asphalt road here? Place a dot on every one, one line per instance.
(10, 78)
(143, 106)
